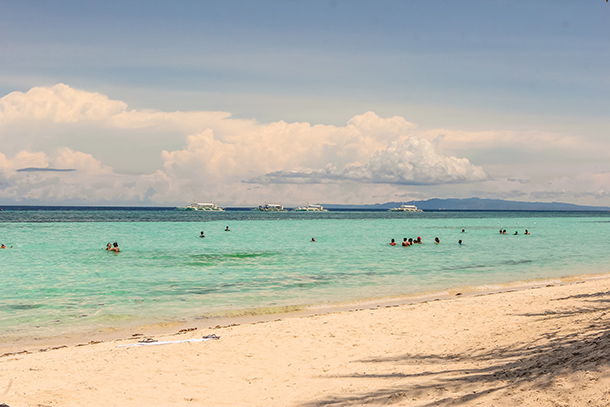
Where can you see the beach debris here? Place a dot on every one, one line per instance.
(186, 330)
(89, 343)
(212, 336)
(15, 353)
(155, 342)
(226, 326)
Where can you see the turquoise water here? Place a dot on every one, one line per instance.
(57, 275)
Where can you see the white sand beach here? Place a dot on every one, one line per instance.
(545, 346)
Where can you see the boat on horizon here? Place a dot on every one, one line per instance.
(198, 206)
(270, 208)
(310, 208)
(405, 208)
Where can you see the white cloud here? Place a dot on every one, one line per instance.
(67, 158)
(209, 155)
(23, 159)
(528, 142)
(411, 162)
(58, 104)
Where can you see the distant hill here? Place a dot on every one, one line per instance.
(477, 204)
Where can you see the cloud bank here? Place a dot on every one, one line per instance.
(414, 161)
(66, 143)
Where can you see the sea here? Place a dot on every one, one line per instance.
(56, 276)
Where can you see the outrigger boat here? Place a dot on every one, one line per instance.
(310, 208)
(270, 208)
(405, 208)
(197, 206)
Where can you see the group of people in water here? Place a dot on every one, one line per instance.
(113, 247)
(409, 242)
(203, 234)
(503, 232)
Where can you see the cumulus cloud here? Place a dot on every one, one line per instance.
(411, 162)
(513, 146)
(58, 104)
(70, 177)
(62, 159)
(285, 153)
(47, 131)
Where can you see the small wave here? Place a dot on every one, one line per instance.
(247, 312)
(488, 265)
(212, 258)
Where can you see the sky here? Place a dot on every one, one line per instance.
(240, 103)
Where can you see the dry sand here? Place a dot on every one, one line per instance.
(535, 347)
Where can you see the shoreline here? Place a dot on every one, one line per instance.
(537, 347)
(253, 316)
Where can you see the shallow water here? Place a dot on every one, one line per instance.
(58, 277)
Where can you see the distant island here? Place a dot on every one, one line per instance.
(476, 204)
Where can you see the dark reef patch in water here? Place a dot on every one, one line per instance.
(22, 306)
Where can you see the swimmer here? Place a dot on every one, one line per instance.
(463, 231)
(405, 242)
(2, 246)
(460, 242)
(109, 246)
(227, 229)
(436, 240)
(313, 239)
(526, 232)
(114, 248)
(392, 243)
(202, 235)
(516, 232)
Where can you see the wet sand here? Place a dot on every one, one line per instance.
(544, 346)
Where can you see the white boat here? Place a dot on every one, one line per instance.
(270, 208)
(405, 208)
(310, 208)
(198, 206)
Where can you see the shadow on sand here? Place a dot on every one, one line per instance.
(535, 365)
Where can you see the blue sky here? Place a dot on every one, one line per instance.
(499, 99)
